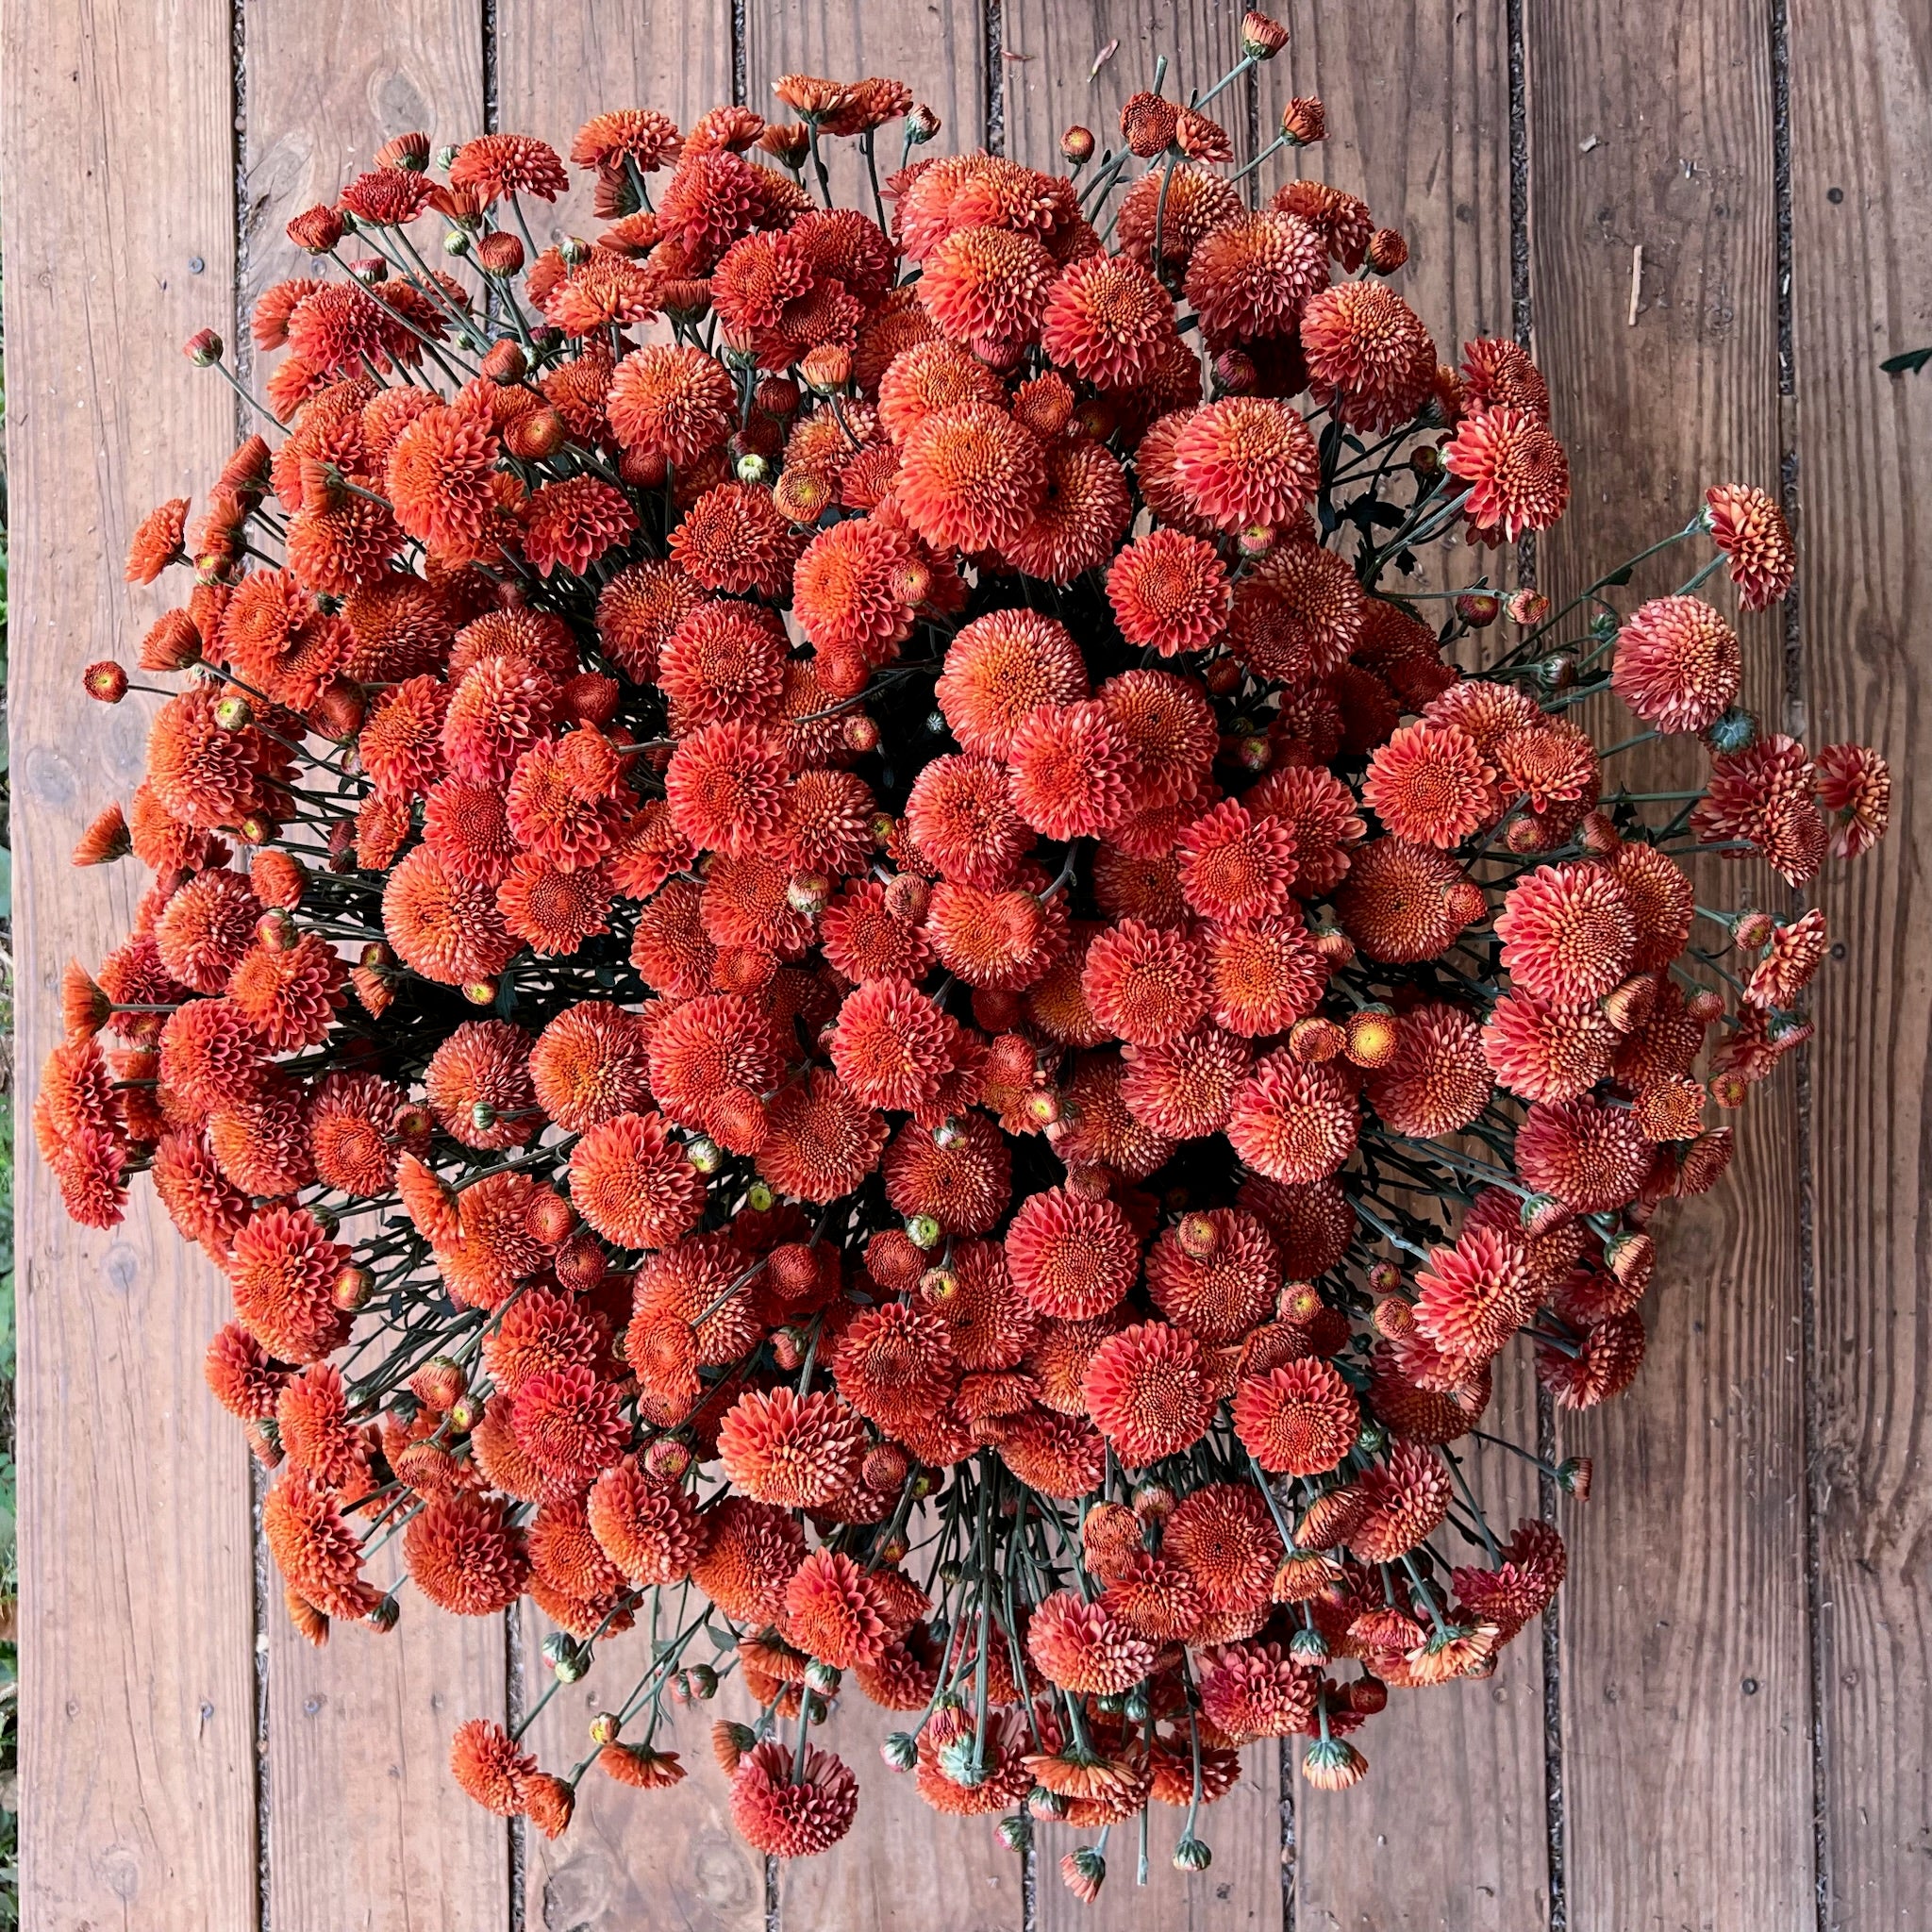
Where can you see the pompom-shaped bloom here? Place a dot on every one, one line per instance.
(970, 476)
(837, 1613)
(573, 523)
(1567, 933)
(1517, 474)
(1297, 615)
(1749, 528)
(208, 929)
(787, 1816)
(1081, 1647)
(489, 1767)
(1439, 1079)
(568, 1423)
(1070, 1258)
(500, 707)
(1590, 1158)
(1430, 785)
(499, 165)
(591, 1063)
(1471, 1298)
(671, 402)
(1148, 1391)
(1108, 321)
(1404, 903)
(464, 1557)
(734, 538)
(961, 818)
(1406, 1497)
(639, 609)
(856, 587)
(1220, 1295)
(1293, 1122)
(999, 670)
(314, 1548)
(998, 940)
(447, 928)
(797, 1452)
(1251, 1691)
(1300, 1419)
(864, 938)
(1678, 664)
(963, 1179)
(727, 787)
(821, 1139)
(292, 997)
(441, 482)
(633, 1184)
(891, 1046)
(1081, 515)
(1855, 787)
(1368, 354)
(1605, 1364)
(1542, 1052)
(1148, 985)
(648, 1528)
(749, 1554)
(725, 661)
(1263, 977)
(1227, 1541)
(283, 1270)
(1252, 277)
(1070, 770)
(931, 376)
(1246, 460)
(1236, 867)
(1183, 1088)
(1170, 592)
(987, 286)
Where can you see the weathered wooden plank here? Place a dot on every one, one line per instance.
(1861, 288)
(632, 1861)
(559, 64)
(1685, 1695)
(365, 1824)
(138, 1728)
(1418, 105)
(1048, 67)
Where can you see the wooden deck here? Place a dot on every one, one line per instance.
(1730, 1725)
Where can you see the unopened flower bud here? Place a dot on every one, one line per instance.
(1558, 673)
(384, 1616)
(203, 348)
(573, 250)
(788, 1349)
(923, 1231)
(1016, 1832)
(921, 124)
(808, 891)
(500, 254)
(534, 435)
(232, 711)
(1262, 40)
(1298, 1303)
(1256, 540)
(606, 1727)
(1222, 676)
(1753, 931)
(1371, 1439)
(439, 1384)
(1077, 144)
(1198, 1237)
(1315, 1038)
(353, 1289)
(1598, 835)
(277, 931)
(1304, 121)
(480, 993)
(1153, 1503)
(937, 1286)
(564, 1656)
(1528, 609)
(1706, 1005)
(759, 1198)
(900, 1750)
(1735, 731)
(1308, 1646)
(1191, 1854)
(704, 1682)
(106, 681)
(1046, 1804)
(1466, 903)
(668, 1459)
(1253, 752)
(1479, 608)
(465, 1412)
(1572, 1476)
(1388, 250)
(377, 957)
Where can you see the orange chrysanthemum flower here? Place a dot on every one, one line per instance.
(1147, 1388)
(633, 1184)
(1246, 460)
(1750, 529)
(1293, 1122)
(1072, 1258)
(1516, 471)
(1678, 664)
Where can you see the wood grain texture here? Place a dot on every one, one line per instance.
(1050, 48)
(1240, 1892)
(366, 1826)
(632, 1861)
(138, 1725)
(937, 47)
(904, 1869)
(636, 1862)
(1685, 1692)
(1861, 126)
(558, 64)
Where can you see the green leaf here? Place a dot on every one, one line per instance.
(6, 883)
(1907, 364)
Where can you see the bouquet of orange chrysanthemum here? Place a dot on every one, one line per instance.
(982, 1136)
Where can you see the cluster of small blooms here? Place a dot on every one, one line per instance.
(963, 1036)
